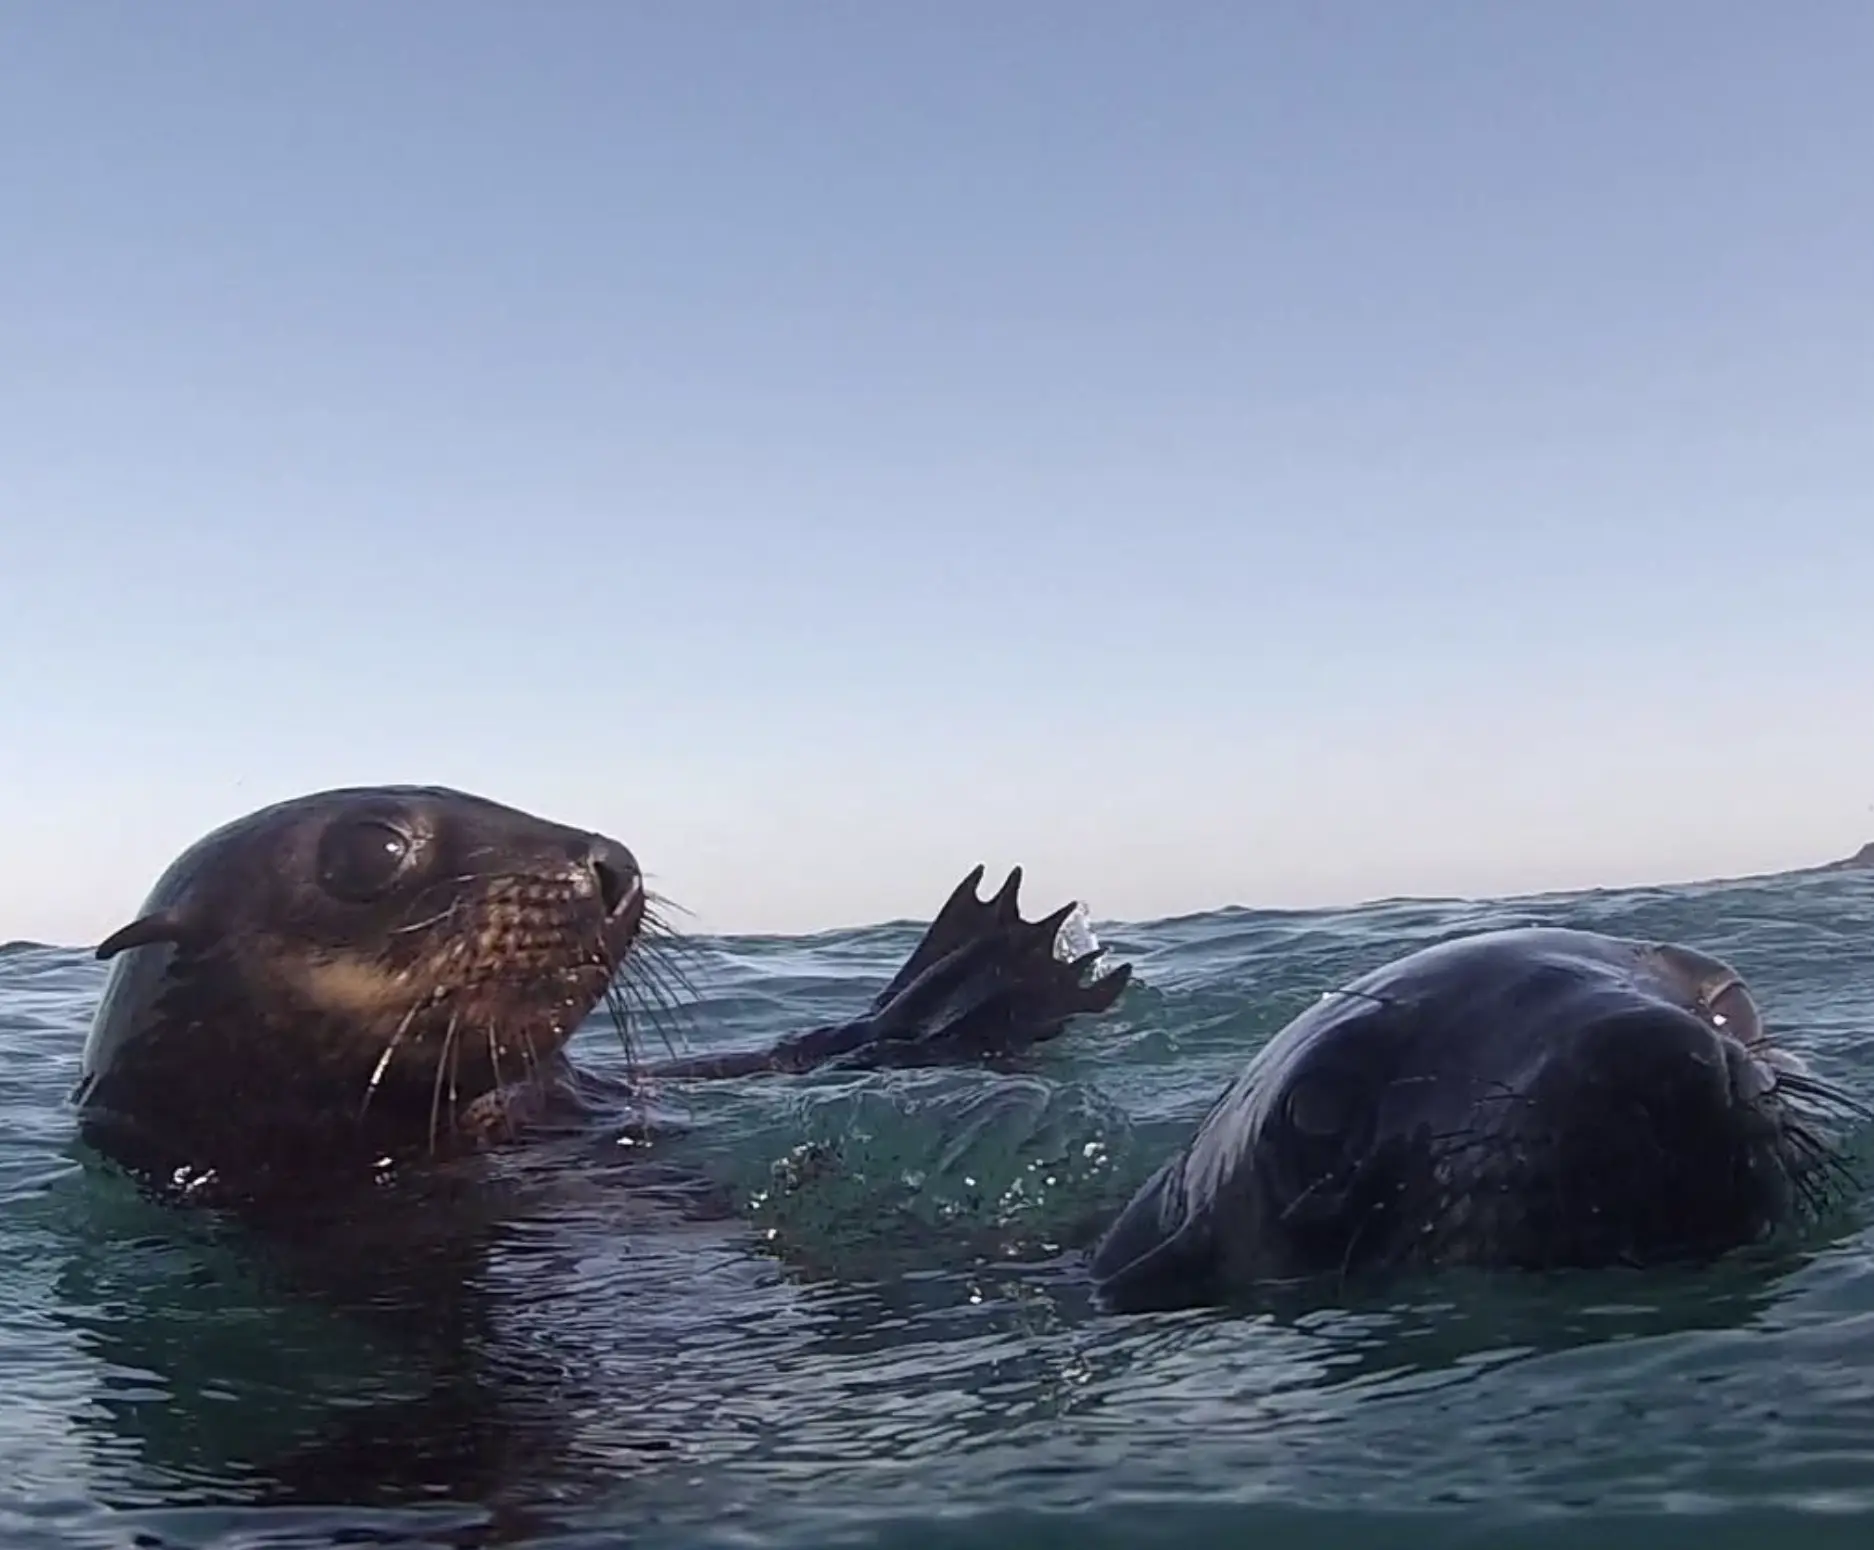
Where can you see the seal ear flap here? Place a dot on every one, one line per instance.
(151, 929)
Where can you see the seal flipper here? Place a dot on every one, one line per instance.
(959, 922)
(982, 983)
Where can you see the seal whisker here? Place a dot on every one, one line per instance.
(654, 1002)
(665, 901)
(455, 1051)
(1825, 1174)
(626, 1006)
(619, 1013)
(494, 1059)
(1353, 1243)
(647, 986)
(669, 1025)
(1820, 1178)
(529, 1055)
(660, 958)
(447, 913)
(656, 995)
(681, 954)
(658, 908)
(1821, 1093)
(670, 950)
(383, 1060)
(442, 1060)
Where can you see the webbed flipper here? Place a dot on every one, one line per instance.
(982, 984)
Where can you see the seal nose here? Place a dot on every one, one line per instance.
(1663, 1059)
(616, 871)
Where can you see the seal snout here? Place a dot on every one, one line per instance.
(1751, 1080)
(615, 872)
(1660, 1056)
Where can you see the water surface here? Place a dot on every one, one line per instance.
(848, 1309)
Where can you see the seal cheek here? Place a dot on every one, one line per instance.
(347, 987)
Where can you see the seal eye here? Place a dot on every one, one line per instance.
(359, 860)
(1316, 1109)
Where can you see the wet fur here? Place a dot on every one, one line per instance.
(205, 1034)
(259, 1037)
(1534, 1100)
(326, 1080)
(261, 1041)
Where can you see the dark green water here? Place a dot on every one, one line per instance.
(882, 1336)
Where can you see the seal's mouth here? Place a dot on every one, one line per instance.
(1658, 1138)
(503, 970)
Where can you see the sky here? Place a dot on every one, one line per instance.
(1275, 454)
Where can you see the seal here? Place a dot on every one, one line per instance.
(1536, 1099)
(338, 985)
(324, 983)
(341, 986)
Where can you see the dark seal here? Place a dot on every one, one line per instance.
(1529, 1099)
(332, 983)
(340, 984)
(335, 987)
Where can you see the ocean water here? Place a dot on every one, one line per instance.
(848, 1309)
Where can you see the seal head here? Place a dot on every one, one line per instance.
(335, 980)
(1532, 1099)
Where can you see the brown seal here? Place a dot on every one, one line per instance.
(333, 982)
(337, 984)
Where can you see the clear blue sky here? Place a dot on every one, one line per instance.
(1272, 453)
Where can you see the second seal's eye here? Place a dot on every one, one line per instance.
(359, 860)
(1316, 1108)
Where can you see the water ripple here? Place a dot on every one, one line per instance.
(878, 1331)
